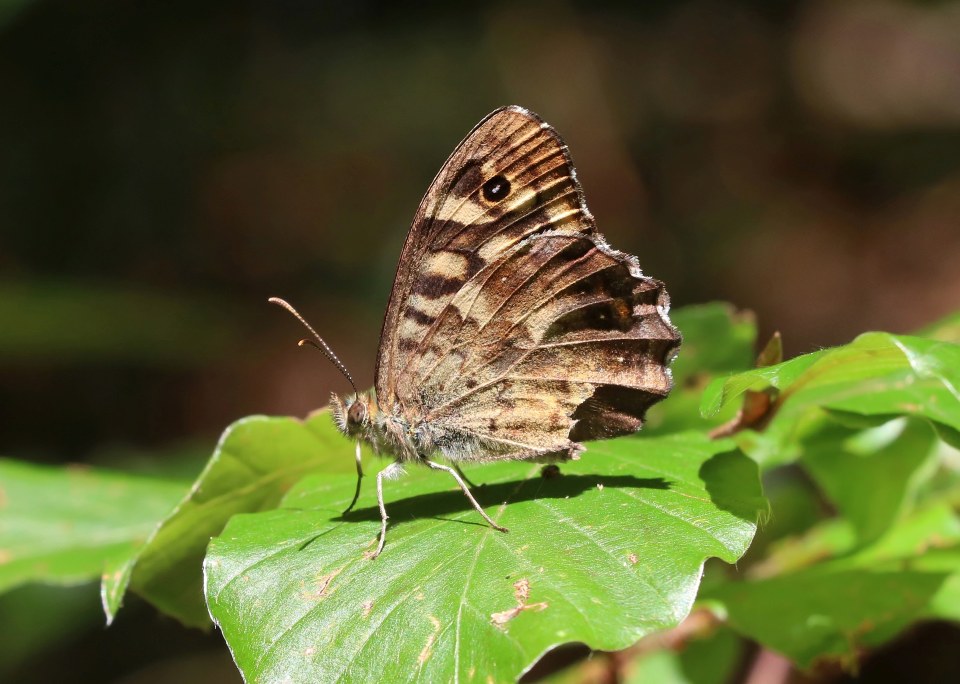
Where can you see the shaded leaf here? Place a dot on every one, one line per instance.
(47, 618)
(872, 476)
(717, 340)
(255, 463)
(708, 659)
(607, 552)
(836, 607)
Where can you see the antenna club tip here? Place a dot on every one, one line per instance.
(319, 344)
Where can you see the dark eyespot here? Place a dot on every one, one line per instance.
(496, 189)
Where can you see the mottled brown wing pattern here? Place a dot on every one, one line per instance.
(457, 230)
(513, 330)
(559, 340)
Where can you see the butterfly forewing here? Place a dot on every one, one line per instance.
(457, 230)
(513, 329)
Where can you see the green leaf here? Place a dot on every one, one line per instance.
(834, 608)
(723, 391)
(607, 552)
(923, 380)
(795, 506)
(63, 525)
(876, 377)
(717, 340)
(47, 618)
(947, 329)
(255, 463)
(872, 476)
(709, 659)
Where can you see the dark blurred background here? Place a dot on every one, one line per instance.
(166, 167)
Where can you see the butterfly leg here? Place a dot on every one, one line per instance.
(391, 471)
(356, 494)
(464, 476)
(466, 491)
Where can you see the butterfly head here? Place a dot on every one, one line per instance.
(354, 414)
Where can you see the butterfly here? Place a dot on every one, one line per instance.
(513, 330)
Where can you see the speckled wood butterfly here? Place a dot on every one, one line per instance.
(513, 332)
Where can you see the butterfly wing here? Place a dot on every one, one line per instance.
(457, 230)
(513, 330)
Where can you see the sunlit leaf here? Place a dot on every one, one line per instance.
(607, 552)
(876, 377)
(255, 463)
(723, 391)
(947, 329)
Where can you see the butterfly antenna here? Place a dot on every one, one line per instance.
(322, 346)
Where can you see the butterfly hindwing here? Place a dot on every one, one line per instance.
(555, 342)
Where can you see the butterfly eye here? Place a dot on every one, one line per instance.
(356, 414)
(496, 189)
